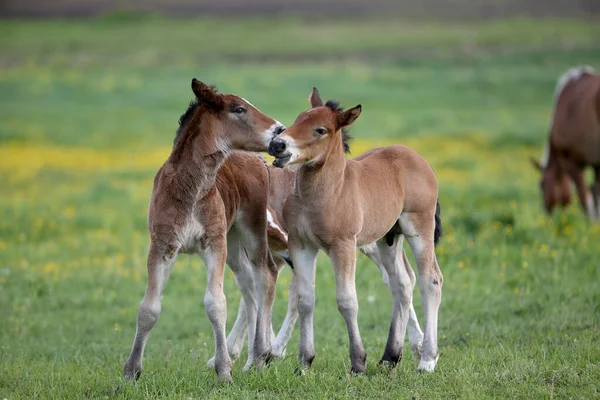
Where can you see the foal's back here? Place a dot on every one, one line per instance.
(396, 169)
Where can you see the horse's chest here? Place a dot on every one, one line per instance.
(190, 235)
(314, 229)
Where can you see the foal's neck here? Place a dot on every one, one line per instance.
(196, 160)
(319, 181)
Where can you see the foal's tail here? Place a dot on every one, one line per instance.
(437, 233)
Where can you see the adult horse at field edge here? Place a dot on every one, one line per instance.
(573, 143)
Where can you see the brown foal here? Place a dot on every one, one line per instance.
(199, 205)
(372, 202)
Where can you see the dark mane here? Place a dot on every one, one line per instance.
(346, 137)
(185, 118)
(187, 115)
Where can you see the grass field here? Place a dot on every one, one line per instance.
(88, 110)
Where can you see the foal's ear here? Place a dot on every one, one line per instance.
(536, 164)
(348, 117)
(315, 98)
(207, 95)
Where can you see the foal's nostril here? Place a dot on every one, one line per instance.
(279, 129)
(276, 147)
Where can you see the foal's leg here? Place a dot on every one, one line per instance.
(283, 337)
(216, 304)
(304, 259)
(238, 261)
(160, 260)
(343, 257)
(415, 335)
(265, 277)
(418, 229)
(401, 285)
(237, 336)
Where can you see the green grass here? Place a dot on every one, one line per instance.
(88, 111)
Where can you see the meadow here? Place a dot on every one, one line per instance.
(88, 112)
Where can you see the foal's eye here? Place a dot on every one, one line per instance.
(320, 131)
(239, 110)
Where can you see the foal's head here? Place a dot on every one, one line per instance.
(554, 184)
(234, 123)
(315, 133)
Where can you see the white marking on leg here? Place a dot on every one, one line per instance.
(304, 260)
(545, 156)
(430, 287)
(590, 206)
(158, 270)
(271, 222)
(343, 258)
(216, 308)
(285, 333)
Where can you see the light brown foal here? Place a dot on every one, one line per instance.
(198, 205)
(573, 143)
(340, 204)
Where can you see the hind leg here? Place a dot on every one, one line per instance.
(285, 333)
(418, 229)
(415, 335)
(216, 304)
(237, 336)
(160, 260)
(401, 287)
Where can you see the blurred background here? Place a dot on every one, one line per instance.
(90, 95)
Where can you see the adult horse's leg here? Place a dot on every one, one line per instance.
(343, 257)
(401, 285)
(283, 337)
(160, 260)
(415, 335)
(304, 259)
(216, 304)
(418, 229)
(596, 191)
(586, 198)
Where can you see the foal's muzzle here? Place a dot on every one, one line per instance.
(277, 147)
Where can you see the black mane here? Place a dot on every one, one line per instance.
(185, 118)
(187, 115)
(346, 137)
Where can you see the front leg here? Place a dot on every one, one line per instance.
(304, 258)
(595, 189)
(586, 200)
(216, 304)
(343, 257)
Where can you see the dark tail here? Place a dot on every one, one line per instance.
(437, 233)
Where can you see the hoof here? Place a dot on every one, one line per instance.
(390, 360)
(249, 365)
(301, 370)
(427, 366)
(132, 372)
(225, 379)
(278, 352)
